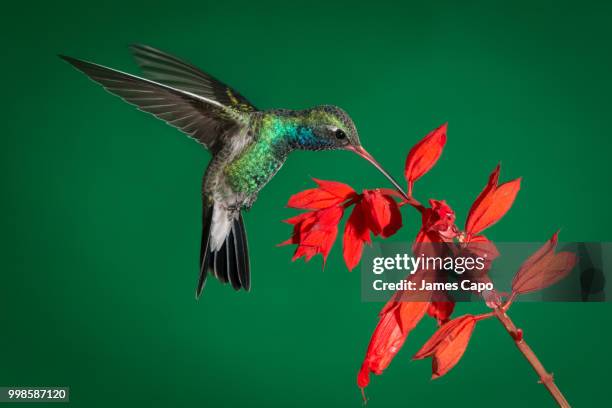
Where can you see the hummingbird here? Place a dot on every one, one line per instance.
(248, 145)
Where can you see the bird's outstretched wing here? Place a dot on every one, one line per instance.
(170, 70)
(204, 119)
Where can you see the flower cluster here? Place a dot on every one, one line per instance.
(314, 232)
(377, 212)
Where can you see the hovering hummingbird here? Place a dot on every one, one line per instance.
(248, 145)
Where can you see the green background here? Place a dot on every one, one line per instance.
(101, 203)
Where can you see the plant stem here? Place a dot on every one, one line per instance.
(545, 377)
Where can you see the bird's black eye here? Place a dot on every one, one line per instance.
(340, 134)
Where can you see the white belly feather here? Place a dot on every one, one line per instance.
(227, 203)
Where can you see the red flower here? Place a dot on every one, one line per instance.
(424, 155)
(396, 321)
(491, 204)
(448, 344)
(375, 211)
(356, 233)
(315, 232)
(438, 226)
(543, 268)
(438, 223)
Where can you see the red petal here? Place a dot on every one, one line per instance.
(410, 314)
(336, 188)
(395, 218)
(328, 194)
(381, 212)
(290, 241)
(300, 217)
(438, 224)
(442, 211)
(426, 243)
(448, 356)
(304, 251)
(492, 207)
(329, 217)
(429, 348)
(325, 230)
(544, 268)
(355, 234)
(301, 224)
(315, 232)
(313, 199)
(327, 242)
(373, 209)
(386, 341)
(389, 336)
(448, 344)
(490, 187)
(422, 237)
(441, 310)
(424, 154)
(545, 250)
(363, 378)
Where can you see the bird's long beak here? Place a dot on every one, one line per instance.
(364, 153)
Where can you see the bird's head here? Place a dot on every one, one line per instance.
(330, 127)
(324, 127)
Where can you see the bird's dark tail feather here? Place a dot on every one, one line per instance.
(231, 262)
